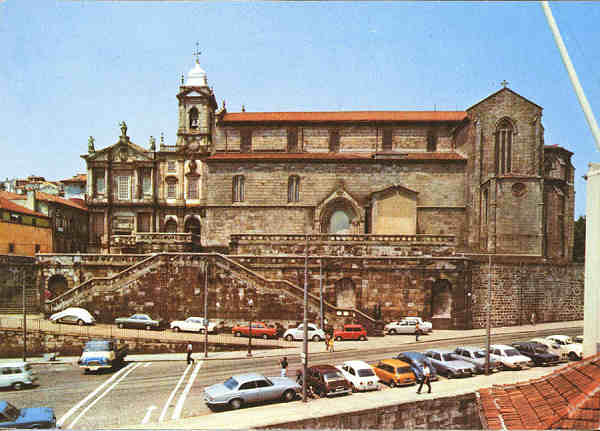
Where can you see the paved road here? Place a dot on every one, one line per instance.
(154, 391)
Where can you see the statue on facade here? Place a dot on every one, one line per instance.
(123, 128)
(91, 148)
(152, 143)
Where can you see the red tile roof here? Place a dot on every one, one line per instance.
(348, 116)
(41, 196)
(569, 398)
(79, 178)
(331, 156)
(12, 196)
(5, 204)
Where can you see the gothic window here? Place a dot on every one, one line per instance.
(339, 222)
(99, 183)
(246, 141)
(294, 188)
(238, 188)
(484, 207)
(334, 141)
(192, 189)
(171, 166)
(431, 141)
(193, 118)
(387, 139)
(171, 189)
(124, 187)
(504, 138)
(292, 140)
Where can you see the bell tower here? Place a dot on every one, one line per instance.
(197, 105)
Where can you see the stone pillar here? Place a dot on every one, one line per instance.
(90, 183)
(591, 304)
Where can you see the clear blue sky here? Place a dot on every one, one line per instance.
(73, 69)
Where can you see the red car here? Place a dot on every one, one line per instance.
(350, 332)
(259, 330)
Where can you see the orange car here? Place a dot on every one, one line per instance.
(394, 372)
(259, 330)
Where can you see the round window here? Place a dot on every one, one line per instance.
(519, 189)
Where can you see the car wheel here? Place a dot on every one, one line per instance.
(289, 337)
(17, 386)
(235, 404)
(289, 395)
(265, 336)
(148, 327)
(176, 329)
(573, 356)
(238, 334)
(79, 322)
(393, 384)
(338, 338)
(362, 338)
(316, 338)
(392, 332)
(120, 325)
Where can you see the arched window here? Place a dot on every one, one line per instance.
(504, 138)
(193, 118)
(192, 225)
(238, 188)
(171, 226)
(294, 188)
(339, 222)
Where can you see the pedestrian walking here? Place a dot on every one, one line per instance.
(331, 340)
(425, 379)
(417, 331)
(327, 338)
(532, 319)
(190, 360)
(284, 365)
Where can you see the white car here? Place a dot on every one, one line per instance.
(509, 357)
(193, 324)
(75, 315)
(400, 327)
(314, 333)
(574, 350)
(360, 375)
(423, 325)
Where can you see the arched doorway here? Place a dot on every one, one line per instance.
(441, 299)
(171, 226)
(345, 294)
(192, 225)
(57, 285)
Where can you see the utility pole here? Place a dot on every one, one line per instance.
(24, 316)
(250, 304)
(305, 323)
(206, 308)
(488, 323)
(321, 291)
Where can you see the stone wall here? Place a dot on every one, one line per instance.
(458, 412)
(16, 271)
(553, 292)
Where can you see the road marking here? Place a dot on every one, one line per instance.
(179, 406)
(148, 364)
(164, 410)
(102, 396)
(86, 399)
(148, 414)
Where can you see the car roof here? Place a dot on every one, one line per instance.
(242, 378)
(470, 348)
(395, 362)
(352, 325)
(12, 364)
(560, 337)
(501, 346)
(413, 355)
(357, 364)
(324, 367)
(440, 351)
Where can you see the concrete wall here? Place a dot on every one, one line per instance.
(458, 412)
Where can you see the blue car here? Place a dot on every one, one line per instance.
(416, 361)
(33, 417)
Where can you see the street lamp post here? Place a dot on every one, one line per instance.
(250, 304)
(305, 324)
(321, 291)
(24, 320)
(488, 313)
(206, 309)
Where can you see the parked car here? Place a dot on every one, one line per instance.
(562, 353)
(394, 372)
(194, 324)
(314, 333)
(350, 332)
(74, 315)
(101, 354)
(259, 330)
(250, 388)
(446, 364)
(538, 352)
(400, 327)
(477, 357)
(142, 321)
(574, 350)
(425, 326)
(360, 375)
(578, 339)
(16, 375)
(32, 417)
(416, 361)
(326, 380)
(510, 357)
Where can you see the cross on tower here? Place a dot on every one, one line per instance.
(504, 83)
(197, 52)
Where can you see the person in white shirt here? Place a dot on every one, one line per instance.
(425, 379)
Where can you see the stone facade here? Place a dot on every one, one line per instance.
(16, 272)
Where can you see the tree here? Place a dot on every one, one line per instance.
(579, 240)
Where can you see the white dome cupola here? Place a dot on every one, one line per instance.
(196, 77)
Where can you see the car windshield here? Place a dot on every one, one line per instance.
(332, 375)
(231, 383)
(11, 412)
(402, 370)
(540, 349)
(95, 347)
(479, 354)
(447, 357)
(365, 372)
(512, 352)
(269, 381)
